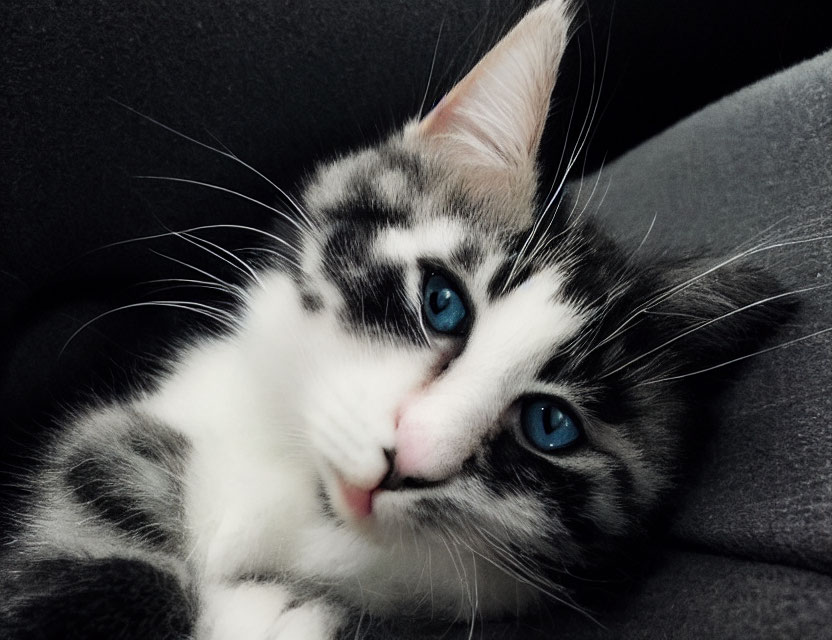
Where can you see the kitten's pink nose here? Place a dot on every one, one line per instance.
(412, 447)
(431, 441)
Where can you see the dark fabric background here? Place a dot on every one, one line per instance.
(282, 83)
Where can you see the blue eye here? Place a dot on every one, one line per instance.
(443, 305)
(548, 424)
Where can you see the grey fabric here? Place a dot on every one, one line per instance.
(761, 159)
(753, 168)
(695, 596)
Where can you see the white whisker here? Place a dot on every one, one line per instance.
(220, 315)
(707, 323)
(664, 295)
(236, 262)
(734, 360)
(216, 187)
(227, 154)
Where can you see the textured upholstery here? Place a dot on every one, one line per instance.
(752, 541)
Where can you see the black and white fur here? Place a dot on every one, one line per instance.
(212, 505)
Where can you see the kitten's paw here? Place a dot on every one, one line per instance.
(312, 620)
(264, 611)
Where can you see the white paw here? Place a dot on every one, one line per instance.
(263, 611)
(313, 620)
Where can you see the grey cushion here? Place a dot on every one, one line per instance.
(754, 168)
(762, 157)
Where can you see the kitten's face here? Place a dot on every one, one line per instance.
(476, 365)
(441, 348)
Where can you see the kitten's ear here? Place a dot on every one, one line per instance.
(709, 316)
(487, 129)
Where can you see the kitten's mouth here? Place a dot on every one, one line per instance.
(357, 503)
(357, 500)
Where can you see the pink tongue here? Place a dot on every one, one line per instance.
(360, 501)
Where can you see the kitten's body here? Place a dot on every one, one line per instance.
(333, 454)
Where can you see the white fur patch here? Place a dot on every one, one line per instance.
(510, 340)
(261, 611)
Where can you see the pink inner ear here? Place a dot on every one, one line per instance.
(436, 119)
(494, 116)
(486, 130)
(439, 119)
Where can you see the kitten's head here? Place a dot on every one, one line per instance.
(480, 371)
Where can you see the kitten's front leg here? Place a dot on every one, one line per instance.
(252, 610)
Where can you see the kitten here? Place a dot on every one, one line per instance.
(456, 398)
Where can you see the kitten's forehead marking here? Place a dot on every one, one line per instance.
(332, 181)
(335, 183)
(435, 237)
(393, 185)
(533, 317)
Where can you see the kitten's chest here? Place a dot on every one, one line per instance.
(249, 486)
(246, 513)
